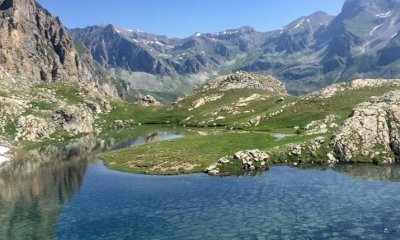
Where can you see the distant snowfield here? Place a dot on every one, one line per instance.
(384, 15)
(3, 154)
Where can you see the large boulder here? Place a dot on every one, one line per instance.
(243, 161)
(75, 119)
(148, 101)
(371, 134)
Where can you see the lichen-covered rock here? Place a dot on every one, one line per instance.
(212, 170)
(371, 134)
(75, 119)
(148, 101)
(246, 161)
(31, 128)
(295, 150)
(331, 158)
(119, 124)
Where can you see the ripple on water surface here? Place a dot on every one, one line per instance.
(61, 194)
(284, 202)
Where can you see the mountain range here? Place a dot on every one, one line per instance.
(310, 53)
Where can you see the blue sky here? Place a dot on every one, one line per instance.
(181, 18)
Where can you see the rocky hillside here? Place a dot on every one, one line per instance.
(356, 122)
(260, 102)
(241, 125)
(35, 44)
(31, 111)
(232, 99)
(372, 132)
(308, 54)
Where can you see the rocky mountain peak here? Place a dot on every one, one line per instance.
(313, 21)
(34, 44)
(320, 18)
(369, 4)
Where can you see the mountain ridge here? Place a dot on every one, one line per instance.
(309, 53)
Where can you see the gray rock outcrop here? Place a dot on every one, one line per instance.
(248, 160)
(372, 133)
(148, 101)
(32, 128)
(75, 119)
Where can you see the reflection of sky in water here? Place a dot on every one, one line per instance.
(58, 194)
(280, 136)
(154, 137)
(282, 203)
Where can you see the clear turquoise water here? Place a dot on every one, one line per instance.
(284, 203)
(66, 193)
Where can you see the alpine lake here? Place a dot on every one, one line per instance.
(66, 192)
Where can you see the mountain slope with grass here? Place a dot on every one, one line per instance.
(317, 128)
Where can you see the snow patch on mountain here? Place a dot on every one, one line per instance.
(384, 15)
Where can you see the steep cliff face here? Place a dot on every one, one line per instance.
(35, 44)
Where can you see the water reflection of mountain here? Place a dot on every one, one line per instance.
(149, 138)
(35, 187)
(389, 173)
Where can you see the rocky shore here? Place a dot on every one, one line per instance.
(370, 134)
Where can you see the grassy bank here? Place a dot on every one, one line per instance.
(190, 154)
